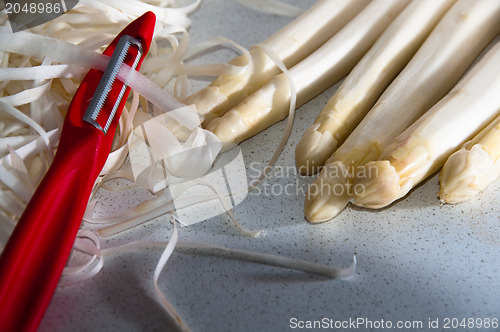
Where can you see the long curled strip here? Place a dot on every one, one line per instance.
(89, 243)
(97, 253)
(291, 114)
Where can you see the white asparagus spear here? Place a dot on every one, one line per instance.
(364, 85)
(423, 148)
(455, 42)
(292, 43)
(321, 69)
(473, 168)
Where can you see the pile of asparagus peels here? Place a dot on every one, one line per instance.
(421, 93)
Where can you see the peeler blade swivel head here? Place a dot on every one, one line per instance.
(108, 94)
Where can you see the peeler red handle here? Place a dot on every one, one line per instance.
(35, 255)
(49, 224)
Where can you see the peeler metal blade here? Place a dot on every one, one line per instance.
(93, 113)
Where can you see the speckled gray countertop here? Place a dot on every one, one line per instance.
(417, 260)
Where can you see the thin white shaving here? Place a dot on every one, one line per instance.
(26, 152)
(291, 113)
(26, 96)
(88, 243)
(9, 179)
(8, 202)
(127, 118)
(273, 7)
(227, 207)
(218, 68)
(166, 202)
(164, 65)
(42, 72)
(33, 148)
(261, 258)
(172, 16)
(15, 113)
(93, 249)
(64, 52)
(19, 168)
(59, 51)
(15, 142)
(167, 252)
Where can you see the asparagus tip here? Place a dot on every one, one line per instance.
(313, 149)
(378, 186)
(466, 173)
(329, 194)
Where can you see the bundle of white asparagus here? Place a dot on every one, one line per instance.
(401, 58)
(423, 148)
(460, 36)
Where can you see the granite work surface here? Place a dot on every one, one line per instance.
(418, 263)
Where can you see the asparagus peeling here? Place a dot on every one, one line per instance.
(423, 148)
(292, 43)
(450, 49)
(473, 168)
(321, 69)
(364, 85)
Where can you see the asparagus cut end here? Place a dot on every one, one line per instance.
(380, 187)
(466, 173)
(329, 194)
(313, 149)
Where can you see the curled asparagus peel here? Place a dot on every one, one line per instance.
(450, 49)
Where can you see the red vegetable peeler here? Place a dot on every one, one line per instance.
(38, 249)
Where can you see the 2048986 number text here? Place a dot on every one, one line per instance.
(34, 7)
(470, 323)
